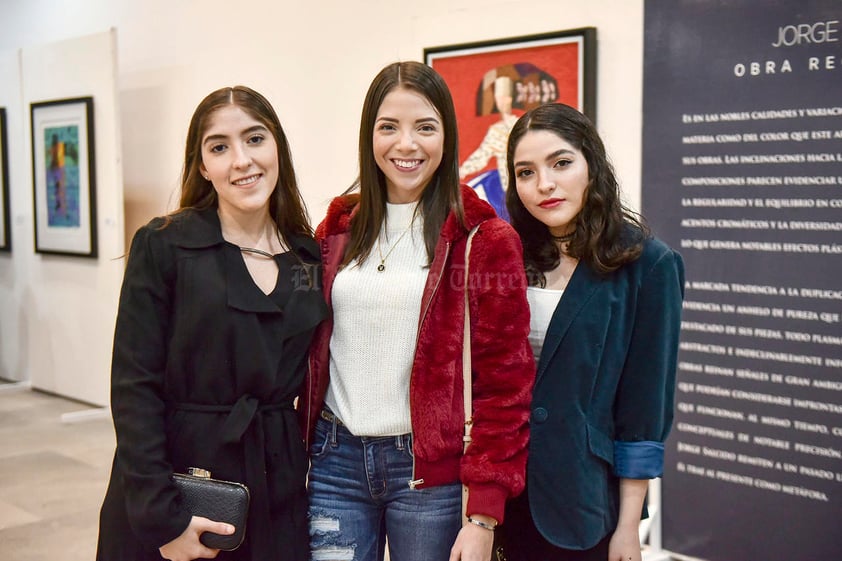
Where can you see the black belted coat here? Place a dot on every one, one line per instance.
(204, 373)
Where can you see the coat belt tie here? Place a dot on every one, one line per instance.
(247, 412)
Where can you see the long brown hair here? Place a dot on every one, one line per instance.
(286, 206)
(607, 234)
(440, 197)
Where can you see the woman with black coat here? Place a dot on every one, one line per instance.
(219, 302)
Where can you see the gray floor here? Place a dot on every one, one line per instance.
(52, 476)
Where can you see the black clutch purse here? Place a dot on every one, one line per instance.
(220, 501)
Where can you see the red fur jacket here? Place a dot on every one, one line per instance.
(502, 363)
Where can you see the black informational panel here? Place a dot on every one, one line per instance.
(742, 172)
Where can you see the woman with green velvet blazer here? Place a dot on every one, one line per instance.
(605, 300)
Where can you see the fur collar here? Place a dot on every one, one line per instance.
(342, 209)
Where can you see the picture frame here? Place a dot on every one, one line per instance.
(534, 69)
(64, 177)
(5, 213)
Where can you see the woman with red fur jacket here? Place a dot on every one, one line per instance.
(383, 405)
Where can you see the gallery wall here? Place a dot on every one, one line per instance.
(13, 273)
(58, 307)
(313, 60)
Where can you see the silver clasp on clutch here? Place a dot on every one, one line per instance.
(199, 472)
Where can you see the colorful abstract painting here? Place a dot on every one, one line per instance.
(61, 145)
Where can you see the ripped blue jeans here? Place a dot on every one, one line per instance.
(359, 495)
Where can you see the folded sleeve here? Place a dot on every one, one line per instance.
(644, 403)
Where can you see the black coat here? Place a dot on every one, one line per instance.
(204, 373)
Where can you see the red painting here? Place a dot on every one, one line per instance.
(495, 82)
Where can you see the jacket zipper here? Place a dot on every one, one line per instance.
(323, 253)
(309, 404)
(413, 483)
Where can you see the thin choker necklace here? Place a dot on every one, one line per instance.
(261, 252)
(382, 266)
(255, 251)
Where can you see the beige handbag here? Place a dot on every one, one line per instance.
(466, 370)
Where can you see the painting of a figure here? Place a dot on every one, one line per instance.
(64, 176)
(62, 150)
(494, 82)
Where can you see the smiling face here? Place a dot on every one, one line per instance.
(408, 142)
(240, 159)
(552, 178)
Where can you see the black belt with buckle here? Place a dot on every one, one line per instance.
(330, 417)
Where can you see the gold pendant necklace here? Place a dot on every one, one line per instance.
(382, 266)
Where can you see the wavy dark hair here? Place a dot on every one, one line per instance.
(440, 197)
(607, 234)
(286, 206)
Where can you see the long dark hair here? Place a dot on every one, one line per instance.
(286, 206)
(607, 234)
(440, 197)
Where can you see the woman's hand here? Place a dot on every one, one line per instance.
(624, 545)
(472, 544)
(625, 542)
(187, 546)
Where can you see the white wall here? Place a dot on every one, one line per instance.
(314, 61)
(58, 311)
(69, 303)
(13, 272)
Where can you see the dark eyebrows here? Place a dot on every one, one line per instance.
(246, 132)
(418, 121)
(558, 153)
(551, 156)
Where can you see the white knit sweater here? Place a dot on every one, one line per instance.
(375, 325)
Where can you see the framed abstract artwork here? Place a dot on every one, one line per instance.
(494, 82)
(5, 226)
(64, 177)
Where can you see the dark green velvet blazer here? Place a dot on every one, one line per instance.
(603, 400)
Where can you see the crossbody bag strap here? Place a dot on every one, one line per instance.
(467, 379)
(466, 347)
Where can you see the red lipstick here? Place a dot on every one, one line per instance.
(551, 203)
